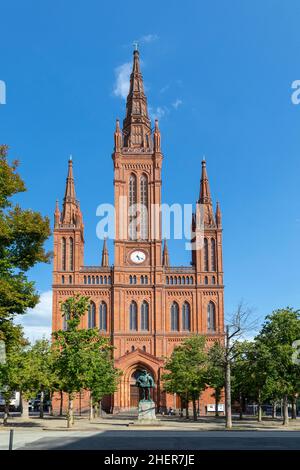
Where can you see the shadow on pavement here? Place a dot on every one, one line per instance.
(170, 440)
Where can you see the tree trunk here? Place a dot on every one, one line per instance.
(259, 408)
(51, 406)
(6, 412)
(187, 415)
(285, 411)
(25, 408)
(42, 404)
(294, 408)
(99, 409)
(194, 410)
(241, 405)
(259, 413)
(70, 413)
(91, 413)
(61, 403)
(274, 411)
(228, 395)
(217, 399)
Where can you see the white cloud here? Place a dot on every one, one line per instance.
(121, 86)
(164, 88)
(147, 38)
(158, 112)
(37, 321)
(177, 103)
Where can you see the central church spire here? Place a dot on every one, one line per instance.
(136, 125)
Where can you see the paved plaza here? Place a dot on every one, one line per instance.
(111, 433)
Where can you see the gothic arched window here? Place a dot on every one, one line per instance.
(205, 252)
(211, 317)
(206, 280)
(145, 316)
(71, 253)
(174, 316)
(186, 316)
(133, 316)
(132, 207)
(63, 254)
(92, 315)
(103, 317)
(144, 206)
(213, 254)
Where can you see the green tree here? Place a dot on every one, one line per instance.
(103, 377)
(187, 371)
(22, 237)
(17, 375)
(79, 354)
(278, 333)
(215, 373)
(42, 366)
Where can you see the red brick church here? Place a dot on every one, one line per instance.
(142, 303)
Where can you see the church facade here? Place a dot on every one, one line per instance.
(142, 303)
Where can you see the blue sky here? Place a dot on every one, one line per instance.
(219, 75)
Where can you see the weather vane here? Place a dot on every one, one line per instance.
(136, 45)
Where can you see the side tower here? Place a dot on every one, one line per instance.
(68, 245)
(207, 258)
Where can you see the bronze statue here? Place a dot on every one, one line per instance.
(145, 382)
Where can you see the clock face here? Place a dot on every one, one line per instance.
(137, 257)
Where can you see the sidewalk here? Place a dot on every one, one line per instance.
(115, 422)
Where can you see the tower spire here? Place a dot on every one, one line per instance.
(204, 197)
(166, 260)
(70, 187)
(136, 125)
(70, 209)
(105, 260)
(206, 211)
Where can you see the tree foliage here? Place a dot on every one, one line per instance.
(22, 236)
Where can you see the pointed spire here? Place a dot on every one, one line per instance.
(105, 260)
(218, 216)
(136, 125)
(204, 197)
(56, 215)
(118, 137)
(205, 208)
(156, 137)
(70, 203)
(166, 260)
(70, 187)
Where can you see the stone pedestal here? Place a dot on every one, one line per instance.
(146, 411)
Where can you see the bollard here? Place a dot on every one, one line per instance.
(11, 439)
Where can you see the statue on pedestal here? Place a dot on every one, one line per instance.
(145, 382)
